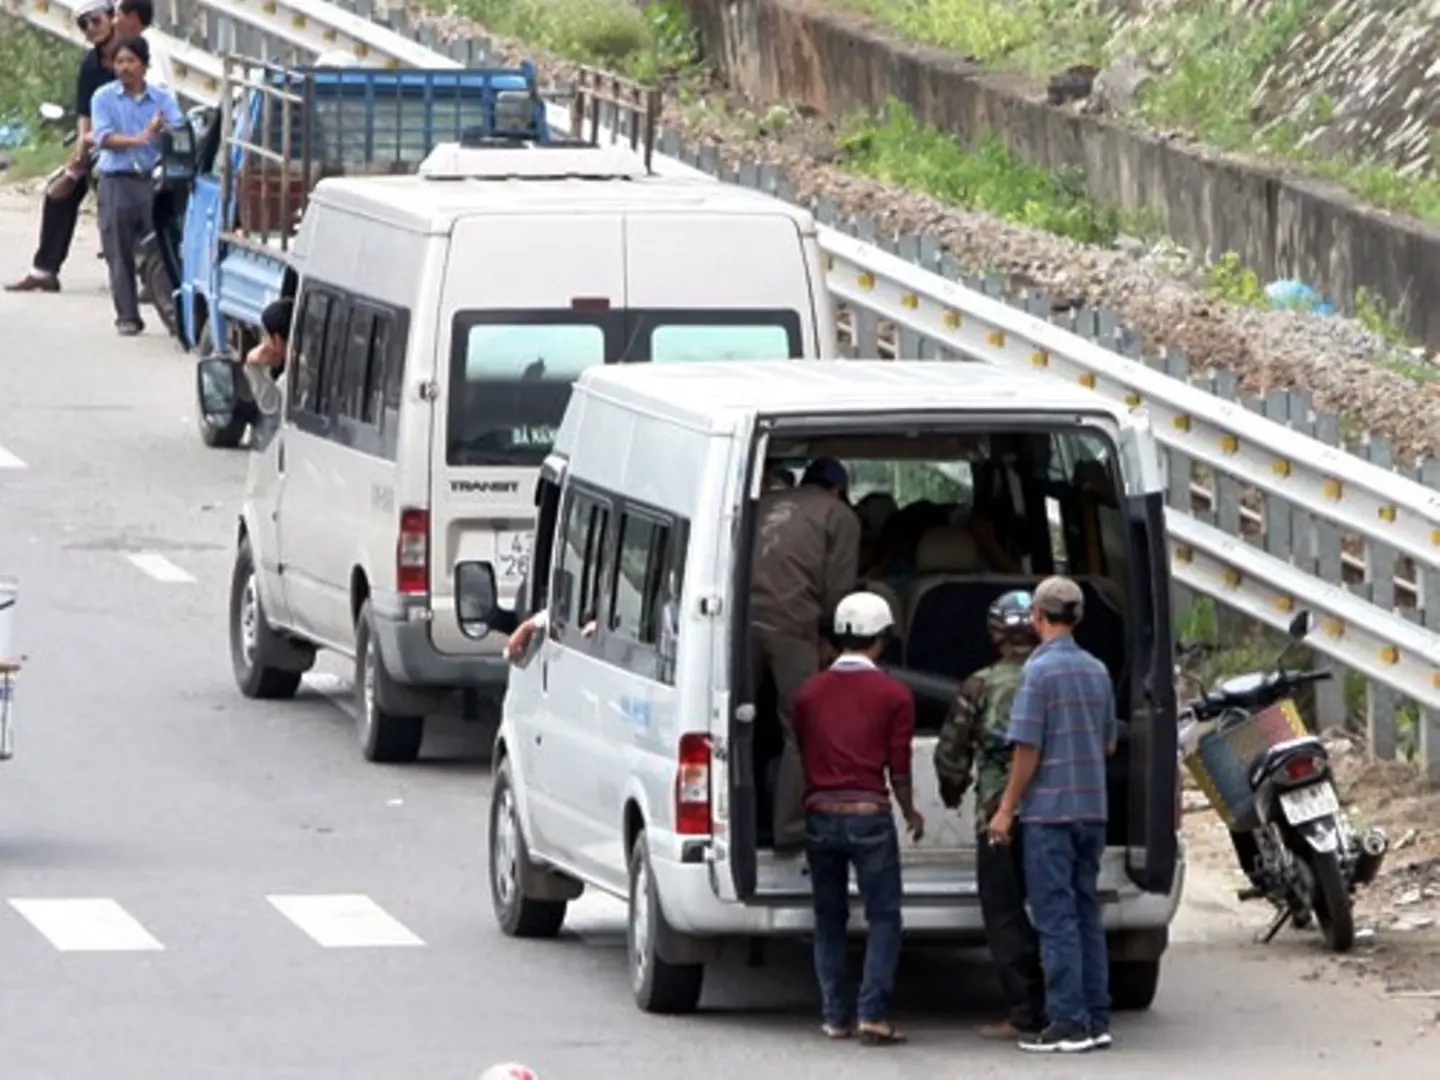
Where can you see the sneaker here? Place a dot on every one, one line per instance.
(1056, 1039)
(1100, 1037)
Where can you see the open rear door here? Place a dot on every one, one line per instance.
(1153, 846)
(739, 847)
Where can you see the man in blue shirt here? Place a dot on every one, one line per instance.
(127, 118)
(1062, 728)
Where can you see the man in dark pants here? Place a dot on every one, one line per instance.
(129, 116)
(59, 216)
(1062, 728)
(973, 742)
(854, 724)
(807, 556)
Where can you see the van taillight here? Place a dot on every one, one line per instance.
(412, 553)
(692, 786)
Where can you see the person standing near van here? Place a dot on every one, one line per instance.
(854, 725)
(128, 117)
(973, 743)
(806, 559)
(1062, 728)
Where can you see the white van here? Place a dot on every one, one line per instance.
(440, 320)
(632, 755)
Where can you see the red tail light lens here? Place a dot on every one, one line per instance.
(412, 553)
(692, 787)
(1301, 768)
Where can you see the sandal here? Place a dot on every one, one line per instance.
(883, 1033)
(835, 1031)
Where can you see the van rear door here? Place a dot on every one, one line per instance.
(716, 286)
(527, 303)
(1153, 847)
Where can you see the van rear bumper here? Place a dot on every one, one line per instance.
(691, 906)
(411, 659)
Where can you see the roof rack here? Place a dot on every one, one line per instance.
(634, 110)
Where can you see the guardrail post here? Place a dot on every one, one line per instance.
(1380, 718)
(866, 324)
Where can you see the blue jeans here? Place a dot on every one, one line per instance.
(1062, 872)
(834, 843)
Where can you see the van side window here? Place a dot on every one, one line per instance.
(309, 351)
(639, 568)
(576, 592)
(332, 368)
(356, 363)
(377, 367)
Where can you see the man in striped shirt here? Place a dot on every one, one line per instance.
(1063, 727)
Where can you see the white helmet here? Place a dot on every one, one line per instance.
(863, 615)
(509, 1071)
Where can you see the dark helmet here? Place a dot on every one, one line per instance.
(1009, 618)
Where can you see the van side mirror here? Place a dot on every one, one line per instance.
(1300, 626)
(217, 390)
(475, 598)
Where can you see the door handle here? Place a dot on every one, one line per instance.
(544, 680)
(280, 457)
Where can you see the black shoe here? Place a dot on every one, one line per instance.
(1056, 1039)
(1100, 1036)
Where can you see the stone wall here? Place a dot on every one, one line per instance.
(788, 50)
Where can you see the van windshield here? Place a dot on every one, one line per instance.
(511, 371)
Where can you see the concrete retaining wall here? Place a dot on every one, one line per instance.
(785, 50)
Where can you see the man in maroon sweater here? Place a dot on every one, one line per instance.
(854, 724)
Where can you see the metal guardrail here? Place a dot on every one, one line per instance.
(1358, 498)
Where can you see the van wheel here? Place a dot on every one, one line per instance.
(659, 987)
(252, 642)
(384, 737)
(1133, 984)
(156, 281)
(517, 915)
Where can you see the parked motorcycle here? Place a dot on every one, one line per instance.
(1272, 783)
(158, 257)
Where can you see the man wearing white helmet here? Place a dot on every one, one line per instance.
(854, 724)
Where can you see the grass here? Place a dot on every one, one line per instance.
(897, 149)
(34, 68)
(656, 42)
(1210, 62)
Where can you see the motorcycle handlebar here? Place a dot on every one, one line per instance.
(1212, 704)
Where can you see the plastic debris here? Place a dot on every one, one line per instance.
(1287, 294)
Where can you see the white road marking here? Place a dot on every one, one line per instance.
(594, 911)
(98, 925)
(9, 460)
(344, 921)
(160, 568)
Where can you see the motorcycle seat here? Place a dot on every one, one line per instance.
(1274, 757)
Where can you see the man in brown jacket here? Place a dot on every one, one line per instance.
(806, 560)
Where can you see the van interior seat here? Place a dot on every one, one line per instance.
(941, 553)
(895, 650)
(948, 635)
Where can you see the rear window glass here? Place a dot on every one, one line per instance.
(695, 342)
(532, 351)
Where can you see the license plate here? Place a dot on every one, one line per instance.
(512, 555)
(1309, 803)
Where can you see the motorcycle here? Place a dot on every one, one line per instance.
(157, 259)
(1295, 842)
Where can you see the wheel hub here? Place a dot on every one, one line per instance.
(504, 856)
(249, 621)
(640, 927)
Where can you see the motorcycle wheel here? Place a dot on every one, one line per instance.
(161, 292)
(1332, 902)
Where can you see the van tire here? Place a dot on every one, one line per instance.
(253, 645)
(1133, 984)
(384, 737)
(518, 915)
(659, 987)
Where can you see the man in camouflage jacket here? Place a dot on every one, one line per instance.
(972, 746)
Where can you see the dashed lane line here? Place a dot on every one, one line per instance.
(160, 568)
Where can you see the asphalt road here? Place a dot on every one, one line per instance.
(199, 887)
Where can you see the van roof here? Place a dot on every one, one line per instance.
(433, 205)
(701, 393)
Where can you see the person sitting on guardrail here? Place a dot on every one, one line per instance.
(60, 211)
(128, 116)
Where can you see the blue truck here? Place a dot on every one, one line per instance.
(276, 133)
